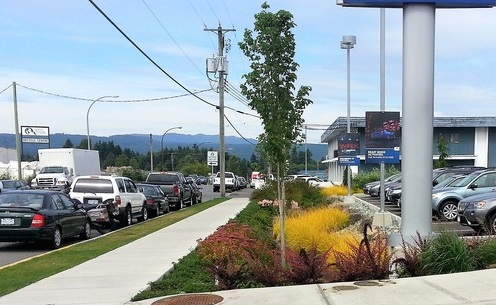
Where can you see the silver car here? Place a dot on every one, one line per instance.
(478, 212)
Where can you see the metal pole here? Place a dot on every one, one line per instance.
(151, 153)
(348, 114)
(162, 144)
(382, 93)
(306, 155)
(88, 116)
(18, 136)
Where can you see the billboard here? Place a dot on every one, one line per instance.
(348, 149)
(436, 3)
(382, 136)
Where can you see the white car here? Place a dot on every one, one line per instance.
(315, 181)
(122, 191)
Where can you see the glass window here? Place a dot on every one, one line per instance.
(57, 202)
(130, 186)
(67, 202)
(120, 185)
(93, 185)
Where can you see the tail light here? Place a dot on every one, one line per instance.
(118, 200)
(176, 190)
(150, 201)
(38, 221)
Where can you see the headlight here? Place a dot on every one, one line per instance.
(434, 196)
(394, 192)
(476, 205)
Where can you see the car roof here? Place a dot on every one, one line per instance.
(33, 191)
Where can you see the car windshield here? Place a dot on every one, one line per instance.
(148, 190)
(9, 184)
(21, 200)
(52, 170)
(465, 181)
(93, 185)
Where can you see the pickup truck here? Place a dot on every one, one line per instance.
(230, 182)
(174, 185)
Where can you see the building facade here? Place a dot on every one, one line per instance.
(471, 141)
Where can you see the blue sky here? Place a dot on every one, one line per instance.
(67, 48)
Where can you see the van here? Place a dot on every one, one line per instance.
(256, 178)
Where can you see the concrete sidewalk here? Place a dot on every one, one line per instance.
(114, 278)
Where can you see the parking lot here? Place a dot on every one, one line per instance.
(437, 226)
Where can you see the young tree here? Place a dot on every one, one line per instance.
(68, 144)
(443, 149)
(269, 88)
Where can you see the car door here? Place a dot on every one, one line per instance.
(136, 198)
(62, 215)
(77, 217)
(485, 183)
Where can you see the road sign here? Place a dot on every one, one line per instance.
(213, 163)
(36, 140)
(212, 156)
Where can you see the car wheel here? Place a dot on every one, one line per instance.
(56, 240)
(449, 210)
(127, 218)
(167, 208)
(194, 200)
(200, 199)
(86, 234)
(156, 213)
(491, 226)
(144, 213)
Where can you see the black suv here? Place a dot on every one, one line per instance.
(175, 186)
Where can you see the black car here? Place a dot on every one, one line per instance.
(156, 201)
(41, 215)
(12, 184)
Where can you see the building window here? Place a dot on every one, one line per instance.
(454, 138)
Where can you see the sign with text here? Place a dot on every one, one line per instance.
(212, 158)
(35, 134)
(386, 156)
(349, 161)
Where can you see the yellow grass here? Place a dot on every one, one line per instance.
(322, 227)
(338, 190)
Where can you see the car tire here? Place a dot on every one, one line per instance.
(448, 210)
(167, 208)
(156, 212)
(194, 200)
(199, 200)
(144, 213)
(56, 240)
(86, 234)
(491, 225)
(127, 218)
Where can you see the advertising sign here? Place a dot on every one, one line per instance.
(35, 134)
(382, 137)
(436, 3)
(348, 149)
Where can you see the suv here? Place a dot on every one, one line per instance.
(445, 200)
(122, 191)
(479, 212)
(175, 187)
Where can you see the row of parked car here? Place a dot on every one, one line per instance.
(466, 194)
(232, 182)
(100, 201)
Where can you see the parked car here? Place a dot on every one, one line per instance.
(445, 200)
(12, 184)
(196, 191)
(440, 174)
(201, 180)
(478, 212)
(315, 181)
(375, 190)
(41, 215)
(241, 182)
(174, 185)
(156, 201)
(122, 191)
(368, 186)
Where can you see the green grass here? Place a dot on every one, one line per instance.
(25, 273)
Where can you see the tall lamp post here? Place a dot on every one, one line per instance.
(162, 143)
(88, 116)
(198, 146)
(348, 43)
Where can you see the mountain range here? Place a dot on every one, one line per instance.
(242, 148)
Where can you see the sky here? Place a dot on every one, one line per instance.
(63, 55)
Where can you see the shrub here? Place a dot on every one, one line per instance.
(233, 253)
(446, 253)
(409, 264)
(362, 178)
(485, 253)
(368, 260)
(337, 190)
(307, 267)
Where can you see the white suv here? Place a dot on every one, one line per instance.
(121, 190)
(230, 182)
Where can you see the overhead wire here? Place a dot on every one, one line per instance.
(5, 89)
(238, 131)
(148, 57)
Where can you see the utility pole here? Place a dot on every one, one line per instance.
(222, 69)
(18, 136)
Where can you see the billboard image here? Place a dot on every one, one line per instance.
(382, 129)
(348, 144)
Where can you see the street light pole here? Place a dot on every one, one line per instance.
(198, 146)
(88, 116)
(348, 43)
(162, 143)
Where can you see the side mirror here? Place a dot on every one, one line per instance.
(473, 186)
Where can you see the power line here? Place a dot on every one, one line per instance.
(5, 89)
(148, 57)
(238, 131)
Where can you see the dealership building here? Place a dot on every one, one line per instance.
(471, 141)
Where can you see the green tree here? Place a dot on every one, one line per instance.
(68, 144)
(443, 149)
(269, 88)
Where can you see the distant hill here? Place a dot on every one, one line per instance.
(141, 143)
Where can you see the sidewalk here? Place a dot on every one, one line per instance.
(114, 278)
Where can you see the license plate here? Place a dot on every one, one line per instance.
(93, 201)
(7, 221)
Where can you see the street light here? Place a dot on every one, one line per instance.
(206, 142)
(348, 43)
(162, 143)
(88, 116)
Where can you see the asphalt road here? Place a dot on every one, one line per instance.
(14, 252)
(437, 226)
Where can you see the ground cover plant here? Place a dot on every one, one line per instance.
(27, 272)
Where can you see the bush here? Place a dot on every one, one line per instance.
(409, 264)
(362, 178)
(307, 267)
(446, 253)
(369, 260)
(485, 254)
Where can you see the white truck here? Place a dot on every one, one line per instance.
(59, 167)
